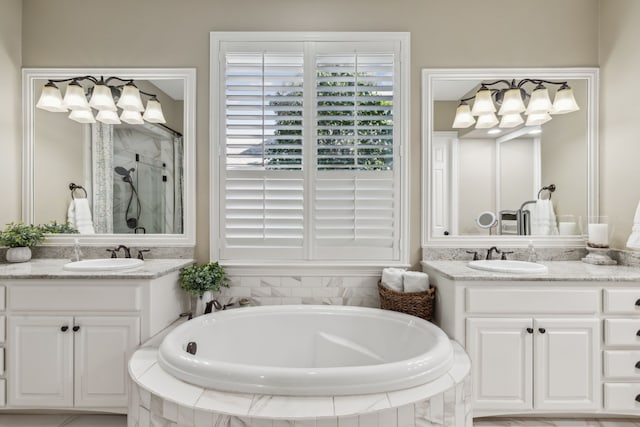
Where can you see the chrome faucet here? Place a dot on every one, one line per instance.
(490, 252)
(127, 251)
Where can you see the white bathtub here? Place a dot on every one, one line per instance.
(307, 350)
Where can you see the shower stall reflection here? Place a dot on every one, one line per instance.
(147, 180)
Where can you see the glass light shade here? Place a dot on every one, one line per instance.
(564, 102)
(102, 99)
(537, 119)
(131, 117)
(511, 120)
(486, 121)
(82, 116)
(483, 104)
(153, 113)
(51, 99)
(74, 98)
(108, 117)
(512, 103)
(130, 99)
(463, 118)
(539, 102)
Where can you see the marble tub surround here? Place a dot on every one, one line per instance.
(52, 269)
(558, 271)
(156, 398)
(301, 289)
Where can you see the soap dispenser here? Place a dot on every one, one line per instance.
(532, 252)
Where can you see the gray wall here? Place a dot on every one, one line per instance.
(169, 33)
(10, 112)
(619, 124)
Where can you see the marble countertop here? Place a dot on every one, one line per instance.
(558, 271)
(52, 269)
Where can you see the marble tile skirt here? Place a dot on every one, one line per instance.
(158, 399)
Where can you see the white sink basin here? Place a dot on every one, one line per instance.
(106, 264)
(508, 266)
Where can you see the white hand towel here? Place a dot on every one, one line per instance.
(634, 238)
(543, 219)
(392, 279)
(415, 281)
(79, 216)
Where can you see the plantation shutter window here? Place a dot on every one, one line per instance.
(309, 139)
(354, 199)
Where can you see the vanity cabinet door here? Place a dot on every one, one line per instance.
(567, 364)
(501, 359)
(40, 361)
(103, 346)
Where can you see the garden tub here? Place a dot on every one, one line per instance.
(305, 350)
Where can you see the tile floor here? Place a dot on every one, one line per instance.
(121, 421)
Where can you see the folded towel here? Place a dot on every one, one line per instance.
(634, 238)
(79, 216)
(543, 219)
(392, 279)
(415, 281)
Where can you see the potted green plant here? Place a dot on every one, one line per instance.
(20, 238)
(201, 280)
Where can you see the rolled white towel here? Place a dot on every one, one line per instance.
(415, 281)
(392, 279)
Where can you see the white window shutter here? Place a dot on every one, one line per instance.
(309, 144)
(355, 206)
(263, 215)
(354, 216)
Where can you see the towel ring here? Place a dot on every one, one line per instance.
(550, 188)
(73, 187)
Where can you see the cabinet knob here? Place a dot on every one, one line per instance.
(76, 328)
(65, 328)
(530, 330)
(542, 330)
(638, 365)
(638, 302)
(638, 398)
(638, 333)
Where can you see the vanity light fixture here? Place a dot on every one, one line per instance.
(104, 95)
(511, 101)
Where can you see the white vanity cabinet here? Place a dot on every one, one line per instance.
(68, 341)
(66, 361)
(544, 346)
(508, 352)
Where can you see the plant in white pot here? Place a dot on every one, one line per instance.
(20, 238)
(200, 281)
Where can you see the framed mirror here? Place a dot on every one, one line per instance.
(110, 152)
(539, 178)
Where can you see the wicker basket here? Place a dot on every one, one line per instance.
(418, 304)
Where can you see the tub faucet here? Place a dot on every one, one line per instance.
(490, 252)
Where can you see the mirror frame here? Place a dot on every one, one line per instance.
(187, 238)
(431, 77)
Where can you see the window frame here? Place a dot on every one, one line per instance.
(217, 143)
